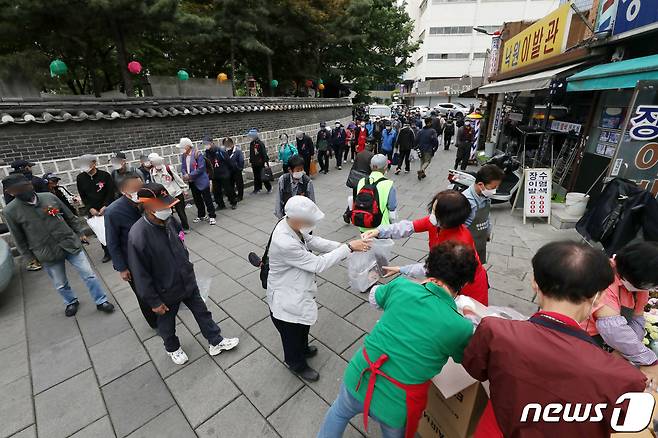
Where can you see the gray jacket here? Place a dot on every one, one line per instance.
(48, 237)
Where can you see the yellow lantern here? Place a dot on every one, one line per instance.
(321, 87)
(222, 77)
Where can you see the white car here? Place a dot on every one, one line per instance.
(451, 108)
(423, 110)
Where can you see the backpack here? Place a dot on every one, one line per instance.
(209, 167)
(366, 211)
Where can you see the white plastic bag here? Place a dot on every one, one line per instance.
(365, 268)
(203, 284)
(97, 225)
(475, 311)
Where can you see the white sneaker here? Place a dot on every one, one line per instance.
(196, 220)
(226, 344)
(178, 357)
(211, 221)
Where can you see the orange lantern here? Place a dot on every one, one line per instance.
(321, 87)
(222, 77)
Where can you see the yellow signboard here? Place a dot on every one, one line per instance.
(544, 39)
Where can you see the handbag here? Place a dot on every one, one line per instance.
(314, 168)
(396, 159)
(266, 174)
(265, 260)
(354, 177)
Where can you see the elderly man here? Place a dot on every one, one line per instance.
(386, 202)
(163, 173)
(305, 149)
(291, 283)
(193, 169)
(24, 167)
(120, 168)
(43, 228)
(96, 189)
(258, 159)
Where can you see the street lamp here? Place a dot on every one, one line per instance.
(485, 31)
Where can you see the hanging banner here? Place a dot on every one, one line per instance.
(636, 156)
(633, 14)
(497, 120)
(537, 193)
(605, 19)
(494, 56)
(542, 40)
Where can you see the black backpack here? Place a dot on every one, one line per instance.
(366, 211)
(209, 166)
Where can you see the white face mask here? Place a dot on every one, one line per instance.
(163, 215)
(85, 168)
(159, 166)
(433, 220)
(488, 193)
(627, 284)
(116, 166)
(363, 124)
(298, 175)
(132, 196)
(307, 230)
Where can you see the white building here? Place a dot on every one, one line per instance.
(451, 49)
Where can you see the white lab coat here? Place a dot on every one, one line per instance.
(291, 283)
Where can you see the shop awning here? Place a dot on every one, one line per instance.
(614, 75)
(537, 81)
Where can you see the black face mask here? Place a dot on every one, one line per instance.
(26, 196)
(28, 174)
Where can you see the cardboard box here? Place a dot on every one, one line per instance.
(454, 404)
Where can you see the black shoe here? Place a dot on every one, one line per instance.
(72, 309)
(254, 259)
(106, 307)
(311, 351)
(221, 207)
(106, 258)
(308, 374)
(234, 206)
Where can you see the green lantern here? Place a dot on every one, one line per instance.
(274, 83)
(58, 68)
(321, 81)
(183, 75)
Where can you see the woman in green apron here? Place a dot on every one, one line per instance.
(487, 181)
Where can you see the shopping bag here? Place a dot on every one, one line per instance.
(413, 155)
(365, 268)
(266, 174)
(396, 159)
(97, 225)
(314, 168)
(354, 177)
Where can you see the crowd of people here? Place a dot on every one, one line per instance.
(589, 305)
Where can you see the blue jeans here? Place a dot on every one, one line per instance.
(57, 273)
(344, 408)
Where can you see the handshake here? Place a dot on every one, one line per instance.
(360, 245)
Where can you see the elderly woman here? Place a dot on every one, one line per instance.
(291, 283)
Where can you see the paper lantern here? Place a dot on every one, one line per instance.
(134, 67)
(58, 68)
(183, 75)
(321, 81)
(274, 83)
(222, 77)
(309, 83)
(321, 87)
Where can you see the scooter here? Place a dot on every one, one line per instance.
(461, 180)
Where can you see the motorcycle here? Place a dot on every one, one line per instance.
(461, 180)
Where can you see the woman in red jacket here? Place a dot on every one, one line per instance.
(448, 210)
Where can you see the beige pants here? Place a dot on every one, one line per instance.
(425, 160)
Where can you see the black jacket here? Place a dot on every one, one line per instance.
(95, 191)
(159, 263)
(618, 214)
(427, 139)
(258, 153)
(338, 137)
(119, 217)
(221, 163)
(305, 146)
(406, 139)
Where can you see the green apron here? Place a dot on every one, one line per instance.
(480, 231)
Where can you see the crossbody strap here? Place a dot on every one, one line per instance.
(267, 248)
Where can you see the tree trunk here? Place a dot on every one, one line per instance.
(232, 44)
(270, 76)
(122, 58)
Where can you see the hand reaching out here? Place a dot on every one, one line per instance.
(390, 270)
(361, 245)
(372, 234)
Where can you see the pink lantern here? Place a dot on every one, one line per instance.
(134, 67)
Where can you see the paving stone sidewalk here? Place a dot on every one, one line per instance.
(100, 375)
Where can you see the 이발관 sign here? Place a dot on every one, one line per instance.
(544, 39)
(537, 191)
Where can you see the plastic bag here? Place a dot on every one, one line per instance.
(475, 311)
(203, 283)
(365, 268)
(97, 225)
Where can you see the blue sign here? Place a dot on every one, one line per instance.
(633, 14)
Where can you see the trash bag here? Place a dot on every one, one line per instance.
(365, 268)
(203, 283)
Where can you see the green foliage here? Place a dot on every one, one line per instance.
(362, 42)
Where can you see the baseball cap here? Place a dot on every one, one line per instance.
(51, 177)
(302, 208)
(15, 180)
(322, 124)
(253, 132)
(119, 155)
(156, 193)
(18, 164)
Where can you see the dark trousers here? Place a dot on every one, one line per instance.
(258, 179)
(294, 338)
(463, 154)
(150, 316)
(323, 160)
(167, 322)
(202, 200)
(106, 253)
(389, 155)
(338, 153)
(404, 157)
(307, 164)
(238, 184)
(347, 149)
(180, 210)
(222, 187)
(446, 141)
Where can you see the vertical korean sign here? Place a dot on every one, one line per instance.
(542, 40)
(537, 193)
(636, 157)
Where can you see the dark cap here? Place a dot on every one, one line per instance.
(15, 180)
(18, 164)
(323, 124)
(154, 192)
(51, 177)
(120, 155)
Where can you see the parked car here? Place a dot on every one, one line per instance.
(383, 111)
(423, 110)
(453, 109)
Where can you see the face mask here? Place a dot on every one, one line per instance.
(148, 164)
(488, 193)
(337, 126)
(85, 169)
(298, 175)
(28, 174)
(363, 124)
(132, 196)
(116, 166)
(159, 166)
(163, 215)
(307, 230)
(222, 148)
(26, 196)
(627, 284)
(433, 220)
(388, 128)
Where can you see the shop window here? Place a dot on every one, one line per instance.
(479, 55)
(451, 30)
(442, 56)
(607, 128)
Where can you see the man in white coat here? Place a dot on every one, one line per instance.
(291, 283)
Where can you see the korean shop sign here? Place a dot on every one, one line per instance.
(634, 14)
(544, 39)
(537, 193)
(636, 157)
